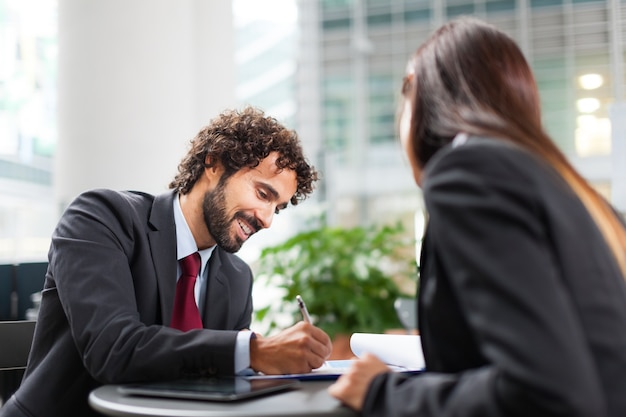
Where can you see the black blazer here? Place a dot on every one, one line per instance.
(107, 303)
(522, 307)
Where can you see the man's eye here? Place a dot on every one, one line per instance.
(262, 195)
(280, 208)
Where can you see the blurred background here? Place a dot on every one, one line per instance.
(109, 93)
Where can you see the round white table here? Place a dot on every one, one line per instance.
(309, 399)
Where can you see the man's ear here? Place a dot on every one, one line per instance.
(213, 169)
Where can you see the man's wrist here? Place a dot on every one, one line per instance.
(242, 350)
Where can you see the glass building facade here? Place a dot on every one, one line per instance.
(575, 48)
(332, 69)
(265, 51)
(28, 51)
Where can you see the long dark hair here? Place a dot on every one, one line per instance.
(471, 77)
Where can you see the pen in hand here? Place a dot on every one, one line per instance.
(306, 317)
(303, 309)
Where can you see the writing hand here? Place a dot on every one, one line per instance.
(297, 349)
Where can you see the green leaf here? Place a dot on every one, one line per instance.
(349, 277)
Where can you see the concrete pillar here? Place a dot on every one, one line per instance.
(137, 80)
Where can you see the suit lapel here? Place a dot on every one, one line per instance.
(162, 237)
(216, 306)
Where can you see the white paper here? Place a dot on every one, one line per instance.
(329, 370)
(402, 353)
(403, 350)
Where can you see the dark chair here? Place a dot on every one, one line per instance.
(8, 294)
(30, 279)
(406, 309)
(15, 340)
(17, 283)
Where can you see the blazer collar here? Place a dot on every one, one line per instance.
(162, 237)
(218, 296)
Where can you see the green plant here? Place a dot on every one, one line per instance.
(349, 277)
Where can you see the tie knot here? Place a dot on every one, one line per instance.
(190, 264)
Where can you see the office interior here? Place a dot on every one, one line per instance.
(92, 97)
(109, 93)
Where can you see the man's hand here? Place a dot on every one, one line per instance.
(298, 349)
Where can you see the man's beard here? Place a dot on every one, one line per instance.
(217, 221)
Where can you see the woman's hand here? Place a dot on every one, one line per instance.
(352, 386)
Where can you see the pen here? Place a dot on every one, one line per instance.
(305, 315)
(303, 310)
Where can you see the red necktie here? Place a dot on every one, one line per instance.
(185, 315)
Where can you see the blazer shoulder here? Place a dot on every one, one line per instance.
(114, 197)
(123, 207)
(488, 158)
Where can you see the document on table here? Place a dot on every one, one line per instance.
(401, 350)
(330, 370)
(402, 353)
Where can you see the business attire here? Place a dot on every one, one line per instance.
(522, 308)
(107, 303)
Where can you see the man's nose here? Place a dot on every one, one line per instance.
(266, 215)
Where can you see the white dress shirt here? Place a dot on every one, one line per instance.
(186, 245)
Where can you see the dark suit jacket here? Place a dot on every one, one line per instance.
(522, 306)
(107, 303)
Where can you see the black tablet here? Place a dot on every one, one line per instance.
(210, 389)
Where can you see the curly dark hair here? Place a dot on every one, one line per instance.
(240, 139)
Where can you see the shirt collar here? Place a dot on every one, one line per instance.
(185, 243)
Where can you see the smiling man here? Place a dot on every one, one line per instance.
(118, 307)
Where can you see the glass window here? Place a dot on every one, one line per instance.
(28, 89)
(337, 112)
(379, 19)
(342, 23)
(28, 53)
(381, 108)
(499, 5)
(267, 60)
(17, 171)
(271, 95)
(417, 15)
(554, 89)
(459, 10)
(593, 98)
(336, 4)
(544, 3)
(247, 34)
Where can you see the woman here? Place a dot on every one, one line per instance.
(522, 288)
